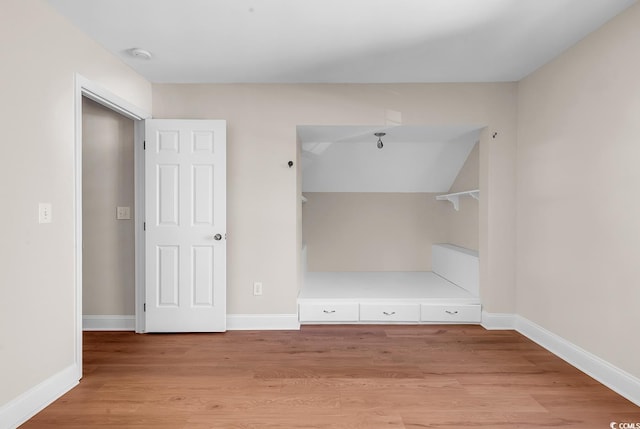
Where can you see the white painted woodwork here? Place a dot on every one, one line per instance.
(458, 265)
(382, 297)
(397, 297)
(108, 322)
(21, 408)
(329, 312)
(185, 176)
(455, 197)
(454, 313)
(375, 312)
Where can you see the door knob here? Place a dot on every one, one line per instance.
(217, 237)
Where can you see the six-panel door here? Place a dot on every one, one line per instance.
(185, 235)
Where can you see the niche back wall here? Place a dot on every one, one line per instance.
(371, 231)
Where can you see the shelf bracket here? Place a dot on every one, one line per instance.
(455, 198)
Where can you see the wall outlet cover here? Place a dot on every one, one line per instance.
(257, 288)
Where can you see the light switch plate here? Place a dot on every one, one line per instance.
(123, 213)
(44, 213)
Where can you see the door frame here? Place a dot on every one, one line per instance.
(87, 88)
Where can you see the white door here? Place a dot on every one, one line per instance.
(185, 231)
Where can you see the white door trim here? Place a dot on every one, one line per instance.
(90, 89)
(139, 217)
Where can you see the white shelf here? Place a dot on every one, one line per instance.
(455, 197)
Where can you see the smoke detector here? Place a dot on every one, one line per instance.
(140, 53)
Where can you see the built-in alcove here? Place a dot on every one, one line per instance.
(375, 224)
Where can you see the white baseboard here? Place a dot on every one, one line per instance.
(492, 321)
(611, 376)
(31, 402)
(235, 322)
(109, 322)
(262, 322)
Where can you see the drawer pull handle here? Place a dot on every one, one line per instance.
(388, 314)
(328, 311)
(451, 312)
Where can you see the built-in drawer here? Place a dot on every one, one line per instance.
(329, 312)
(470, 313)
(389, 312)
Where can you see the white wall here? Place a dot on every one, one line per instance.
(108, 268)
(578, 207)
(371, 231)
(462, 226)
(388, 231)
(40, 52)
(263, 192)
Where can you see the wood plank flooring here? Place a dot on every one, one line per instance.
(365, 377)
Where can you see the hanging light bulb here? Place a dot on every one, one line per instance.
(380, 135)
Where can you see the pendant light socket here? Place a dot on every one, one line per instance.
(380, 135)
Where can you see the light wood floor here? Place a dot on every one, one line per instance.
(331, 377)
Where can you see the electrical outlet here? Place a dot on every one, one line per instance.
(44, 213)
(257, 288)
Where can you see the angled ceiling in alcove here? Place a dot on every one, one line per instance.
(413, 159)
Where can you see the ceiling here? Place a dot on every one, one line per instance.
(363, 41)
(414, 158)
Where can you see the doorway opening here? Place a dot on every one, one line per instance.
(85, 88)
(108, 233)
